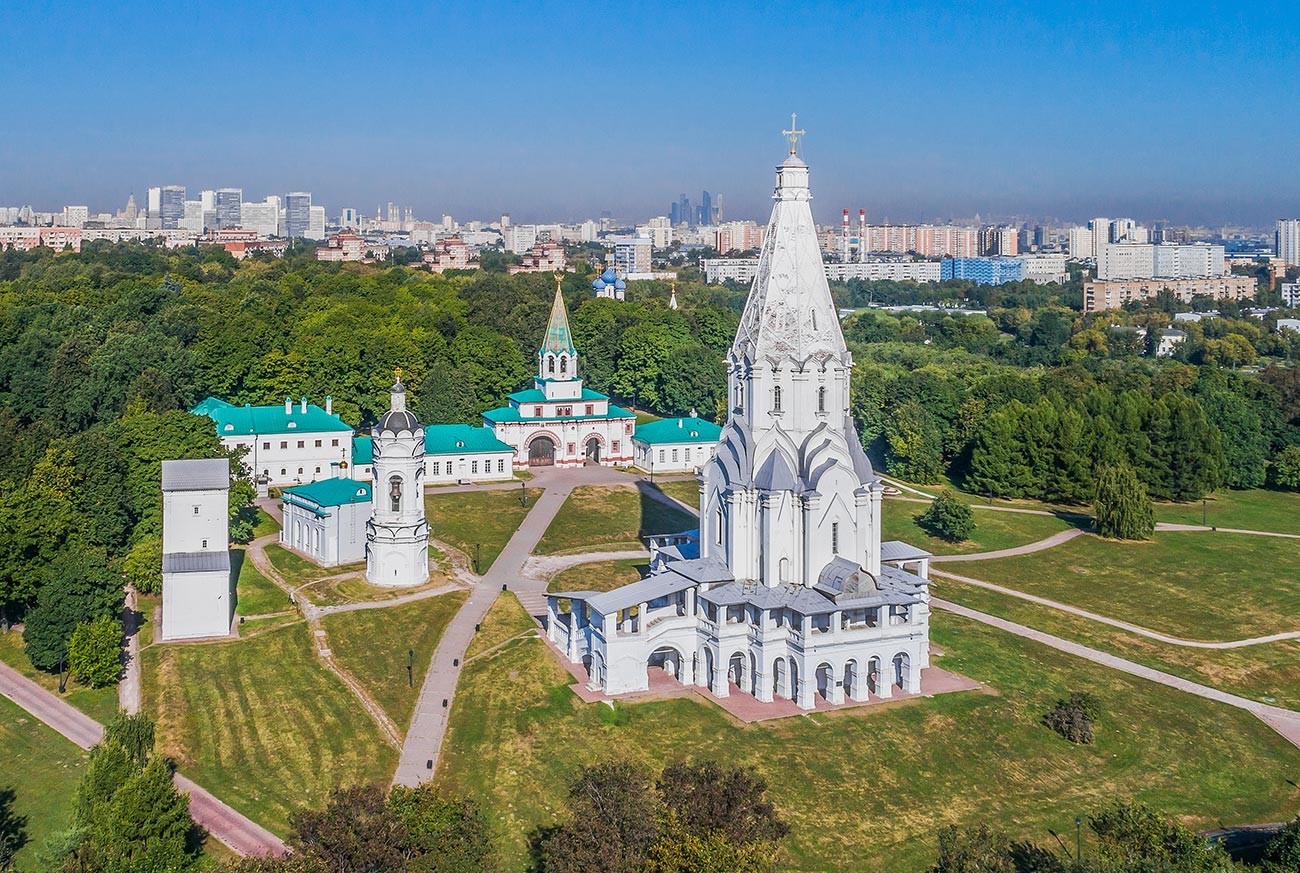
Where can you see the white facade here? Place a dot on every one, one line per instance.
(1045, 268)
(1079, 242)
(1163, 261)
(519, 238)
(1291, 294)
(786, 590)
(316, 222)
(264, 217)
(729, 269)
(633, 256)
(397, 533)
(745, 269)
(326, 520)
(1287, 241)
(287, 445)
(197, 585)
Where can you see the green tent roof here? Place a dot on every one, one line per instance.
(328, 492)
(249, 420)
(677, 430)
(558, 339)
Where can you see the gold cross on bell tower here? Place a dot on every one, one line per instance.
(793, 133)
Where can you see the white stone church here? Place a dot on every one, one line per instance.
(787, 591)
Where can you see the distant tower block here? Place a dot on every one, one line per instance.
(197, 598)
(397, 535)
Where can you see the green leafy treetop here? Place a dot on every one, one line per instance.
(948, 518)
(1122, 507)
(13, 829)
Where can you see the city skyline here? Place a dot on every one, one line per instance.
(557, 113)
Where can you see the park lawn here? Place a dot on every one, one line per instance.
(1269, 672)
(261, 724)
(994, 529)
(294, 569)
(98, 703)
(372, 645)
(868, 789)
(488, 519)
(42, 768)
(1256, 509)
(256, 594)
(599, 575)
(1193, 585)
(598, 518)
(265, 524)
(506, 620)
(687, 491)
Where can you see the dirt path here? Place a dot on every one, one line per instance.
(239, 833)
(128, 690)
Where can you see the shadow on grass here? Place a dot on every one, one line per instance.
(660, 514)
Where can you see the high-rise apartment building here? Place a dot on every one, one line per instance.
(1118, 261)
(227, 203)
(297, 215)
(315, 222)
(1287, 241)
(349, 217)
(263, 218)
(75, 216)
(633, 256)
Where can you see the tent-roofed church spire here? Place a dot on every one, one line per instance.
(558, 339)
(790, 312)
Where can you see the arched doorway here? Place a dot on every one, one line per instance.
(541, 452)
(736, 670)
(794, 679)
(902, 670)
(780, 679)
(825, 681)
(851, 689)
(873, 675)
(593, 451)
(708, 669)
(667, 659)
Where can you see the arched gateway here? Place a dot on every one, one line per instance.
(541, 452)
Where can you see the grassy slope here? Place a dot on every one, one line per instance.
(260, 723)
(42, 768)
(488, 518)
(867, 790)
(687, 491)
(506, 620)
(1249, 510)
(1269, 672)
(597, 518)
(993, 529)
(98, 703)
(265, 524)
(1195, 585)
(599, 575)
(295, 569)
(372, 645)
(257, 595)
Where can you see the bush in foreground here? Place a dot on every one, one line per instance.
(948, 518)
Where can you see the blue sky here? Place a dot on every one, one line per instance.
(1184, 111)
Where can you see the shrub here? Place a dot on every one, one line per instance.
(1073, 718)
(947, 518)
(95, 651)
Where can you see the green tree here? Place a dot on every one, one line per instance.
(142, 565)
(693, 378)
(913, 447)
(356, 832)
(1134, 837)
(998, 464)
(13, 829)
(147, 827)
(1121, 505)
(613, 822)
(1282, 854)
(1245, 452)
(80, 589)
(704, 796)
(948, 518)
(1285, 471)
(133, 734)
(444, 835)
(680, 849)
(95, 651)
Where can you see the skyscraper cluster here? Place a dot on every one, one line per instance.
(292, 215)
(707, 212)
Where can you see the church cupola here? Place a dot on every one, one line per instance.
(557, 359)
(397, 533)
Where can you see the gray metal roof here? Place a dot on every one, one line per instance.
(797, 597)
(701, 569)
(196, 562)
(208, 474)
(651, 588)
(897, 550)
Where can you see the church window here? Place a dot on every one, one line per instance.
(473, 467)
(317, 444)
(196, 510)
(284, 444)
(300, 471)
(615, 447)
(266, 445)
(674, 456)
(717, 525)
(591, 409)
(537, 412)
(776, 399)
(501, 465)
(688, 453)
(302, 444)
(740, 396)
(814, 319)
(835, 538)
(395, 493)
(318, 469)
(571, 448)
(661, 456)
(283, 472)
(821, 399)
(564, 366)
(550, 364)
(784, 569)
(205, 544)
(449, 468)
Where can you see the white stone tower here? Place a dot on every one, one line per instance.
(397, 534)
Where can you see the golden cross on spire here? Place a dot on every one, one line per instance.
(397, 373)
(793, 133)
(558, 276)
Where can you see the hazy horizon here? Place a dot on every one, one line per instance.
(561, 112)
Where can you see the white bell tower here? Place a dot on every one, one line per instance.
(397, 534)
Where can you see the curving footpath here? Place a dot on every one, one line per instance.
(238, 832)
(1028, 548)
(1284, 721)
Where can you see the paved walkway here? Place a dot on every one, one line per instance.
(546, 566)
(423, 743)
(239, 833)
(1284, 721)
(1114, 622)
(1170, 526)
(128, 690)
(1028, 548)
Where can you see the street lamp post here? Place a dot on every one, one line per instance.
(476, 557)
(410, 668)
(63, 681)
(523, 494)
(1203, 505)
(1078, 839)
